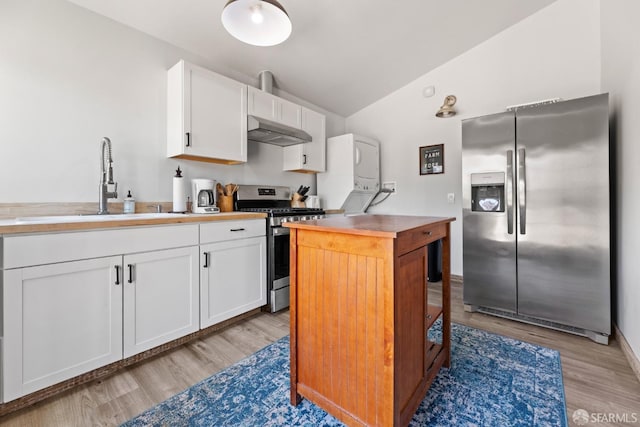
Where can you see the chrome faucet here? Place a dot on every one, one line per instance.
(106, 172)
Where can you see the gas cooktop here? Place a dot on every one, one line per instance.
(284, 211)
(274, 201)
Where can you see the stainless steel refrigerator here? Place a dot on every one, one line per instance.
(536, 215)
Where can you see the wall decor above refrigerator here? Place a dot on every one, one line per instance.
(536, 212)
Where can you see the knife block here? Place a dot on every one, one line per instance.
(296, 201)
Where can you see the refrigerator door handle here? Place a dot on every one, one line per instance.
(510, 191)
(522, 191)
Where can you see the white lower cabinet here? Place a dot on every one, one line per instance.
(160, 297)
(233, 273)
(59, 320)
(74, 302)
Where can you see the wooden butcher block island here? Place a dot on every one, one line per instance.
(359, 315)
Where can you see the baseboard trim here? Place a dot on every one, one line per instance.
(628, 351)
(456, 279)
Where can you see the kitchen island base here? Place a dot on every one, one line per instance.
(359, 315)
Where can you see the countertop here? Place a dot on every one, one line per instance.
(370, 225)
(51, 224)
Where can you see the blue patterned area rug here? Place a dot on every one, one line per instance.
(493, 381)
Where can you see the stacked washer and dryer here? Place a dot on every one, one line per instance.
(352, 178)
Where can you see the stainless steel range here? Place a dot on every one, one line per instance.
(276, 203)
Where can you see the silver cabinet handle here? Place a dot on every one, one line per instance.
(510, 191)
(522, 191)
(130, 266)
(117, 274)
(428, 233)
(206, 260)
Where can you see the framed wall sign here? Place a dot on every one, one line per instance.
(432, 159)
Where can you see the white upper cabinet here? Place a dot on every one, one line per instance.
(261, 104)
(206, 116)
(308, 157)
(268, 106)
(290, 113)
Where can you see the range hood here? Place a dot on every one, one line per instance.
(262, 130)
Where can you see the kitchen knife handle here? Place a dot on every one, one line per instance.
(188, 139)
(130, 266)
(206, 260)
(510, 191)
(522, 191)
(117, 274)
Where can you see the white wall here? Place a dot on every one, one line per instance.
(68, 77)
(621, 78)
(553, 53)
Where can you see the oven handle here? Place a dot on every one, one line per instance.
(280, 231)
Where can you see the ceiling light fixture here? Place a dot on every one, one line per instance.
(256, 22)
(447, 109)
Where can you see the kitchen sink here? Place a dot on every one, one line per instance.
(91, 218)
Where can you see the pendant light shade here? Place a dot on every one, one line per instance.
(256, 22)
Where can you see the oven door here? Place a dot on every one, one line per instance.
(278, 268)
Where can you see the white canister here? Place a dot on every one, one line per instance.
(313, 202)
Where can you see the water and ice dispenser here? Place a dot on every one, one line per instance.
(487, 192)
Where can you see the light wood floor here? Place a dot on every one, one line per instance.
(597, 378)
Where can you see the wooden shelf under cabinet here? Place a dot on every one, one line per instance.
(433, 312)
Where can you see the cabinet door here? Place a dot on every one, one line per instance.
(271, 107)
(60, 321)
(311, 156)
(160, 297)
(289, 113)
(233, 279)
(410, 351)
(217, 116)
(262, 104)
(206, 115)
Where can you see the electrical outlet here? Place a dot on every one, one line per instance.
(391, 186)
(451, 198)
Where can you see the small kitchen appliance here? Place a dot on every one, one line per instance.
(204, 196)
(276, 203)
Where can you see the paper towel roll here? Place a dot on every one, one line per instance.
(179, 195)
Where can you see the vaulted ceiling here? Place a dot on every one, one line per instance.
(342, 54)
